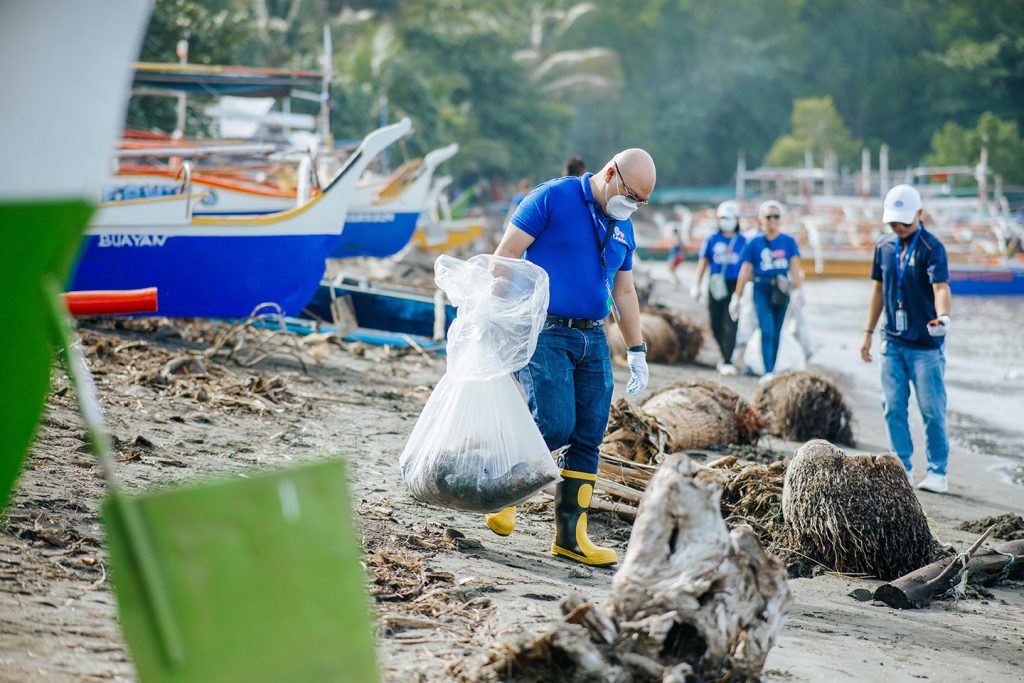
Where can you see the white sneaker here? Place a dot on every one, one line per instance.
(936, 483)
(766, 377)
(727, 369)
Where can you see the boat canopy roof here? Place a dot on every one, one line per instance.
(239, 81)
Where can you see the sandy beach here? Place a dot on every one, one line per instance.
(445, 589)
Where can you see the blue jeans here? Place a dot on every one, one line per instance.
(903, 366)
(769, 319)
(568, 385)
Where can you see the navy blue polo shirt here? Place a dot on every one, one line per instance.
(770, 258)
(560, 216)
(720, 256)
(927, 265)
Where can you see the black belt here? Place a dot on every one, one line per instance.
(578, 323)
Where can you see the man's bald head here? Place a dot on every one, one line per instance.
(637, 167)
(635, 170)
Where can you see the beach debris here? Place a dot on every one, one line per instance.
(855, 514)
(950, 576)
(671, 337)
(691, 601)
(806, 405)
(634, 435)
(1009, 526)
(699, 414)
(752, 495)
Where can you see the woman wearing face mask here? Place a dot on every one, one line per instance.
(772, 261)
(720, 255)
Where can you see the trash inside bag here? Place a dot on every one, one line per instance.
(475, 446)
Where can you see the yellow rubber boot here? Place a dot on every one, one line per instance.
(572, 500)
(503, 521)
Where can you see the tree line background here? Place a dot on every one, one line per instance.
(522, 86)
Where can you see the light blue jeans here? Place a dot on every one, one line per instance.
(902, 367)
(568, 385)
(769, 319)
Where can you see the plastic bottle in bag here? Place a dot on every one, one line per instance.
(475, 446)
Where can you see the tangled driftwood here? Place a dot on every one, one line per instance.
(692, 601)
(855, 514)
(670, 336)
(701, 414)
(806, 405)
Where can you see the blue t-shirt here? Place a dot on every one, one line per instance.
(770, 257)
(720, 255)
(560, 216)
(925, 266)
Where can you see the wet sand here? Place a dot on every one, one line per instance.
(446, 588)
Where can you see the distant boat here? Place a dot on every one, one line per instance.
(221, 266)
(387, 308)
(380, 220)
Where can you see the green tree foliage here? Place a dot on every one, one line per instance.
(957, 145)
(816, 126)
(521, 86)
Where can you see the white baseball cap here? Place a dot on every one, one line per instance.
(901, 205)
(729, 209)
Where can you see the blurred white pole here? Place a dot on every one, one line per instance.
(179, 127)
(883, 170)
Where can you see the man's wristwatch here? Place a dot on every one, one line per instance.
(642, 348)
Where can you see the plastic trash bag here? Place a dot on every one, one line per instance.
(790, 356)
(747, 323)
(475, 446)
(799, 328)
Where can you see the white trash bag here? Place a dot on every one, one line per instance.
(475, 446)
(790, 356)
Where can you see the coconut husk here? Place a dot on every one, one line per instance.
(671, 337)
(855, 514)
(634, 435)
(805, 405)
(700, 414)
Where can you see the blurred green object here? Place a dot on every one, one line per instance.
(262, 576)
(37, 239)
(255, 579)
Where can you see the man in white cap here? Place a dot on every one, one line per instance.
(911, 286)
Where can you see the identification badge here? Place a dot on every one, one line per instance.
(901, 320)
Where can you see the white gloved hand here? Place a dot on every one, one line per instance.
(939, 327)
(638, 372)
(796, 298)
(695, 292)
(734, 308)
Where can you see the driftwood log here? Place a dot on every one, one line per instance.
(691, 601)
(983, 567)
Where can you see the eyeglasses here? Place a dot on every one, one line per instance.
(772, 217)
(629, 193)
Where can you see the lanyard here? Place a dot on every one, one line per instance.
(601, 244)
(901, 266)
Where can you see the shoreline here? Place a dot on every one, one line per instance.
(472, 589)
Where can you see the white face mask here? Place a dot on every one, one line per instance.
(726, 224)
(620, 207)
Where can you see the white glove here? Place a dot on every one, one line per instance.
(638, 372)
(695, 292)
(734, 308)
(939, 327)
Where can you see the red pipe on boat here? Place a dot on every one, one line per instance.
(111, 302)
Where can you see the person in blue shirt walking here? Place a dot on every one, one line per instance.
(579, 231)
(911, 286)
(720, 256)
(772, 261)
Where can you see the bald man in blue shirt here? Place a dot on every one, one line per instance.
(579, 231)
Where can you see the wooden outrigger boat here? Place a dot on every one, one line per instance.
(222, 266)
